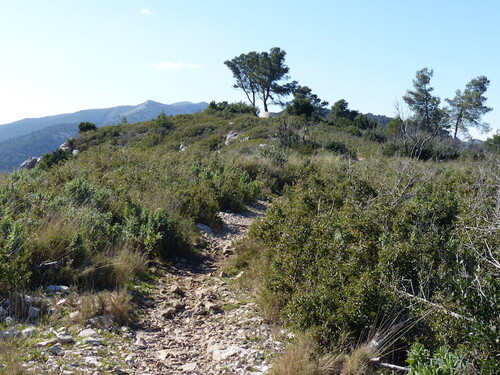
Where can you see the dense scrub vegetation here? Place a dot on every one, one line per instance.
(352, 236)
(344, 247)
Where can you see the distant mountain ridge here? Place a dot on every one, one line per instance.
(34, 137)
(104, 116)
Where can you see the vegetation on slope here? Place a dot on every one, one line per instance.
(344, 243)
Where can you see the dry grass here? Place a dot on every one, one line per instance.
(302, 357)
(10, 362)
(115, 267)
(298, 358)
(116, 303)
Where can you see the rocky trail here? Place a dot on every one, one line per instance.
(195, 323)
(193, 319)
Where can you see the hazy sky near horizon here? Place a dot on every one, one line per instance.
(62, 56)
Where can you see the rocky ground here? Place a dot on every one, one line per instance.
(197, 323)
(194, 320)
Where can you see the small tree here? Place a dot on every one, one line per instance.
(467, 108)
(86, 126)
(259, 75)
(492, 144)
(306, 103)
(422, 103)
(340, 110)
(163, 121)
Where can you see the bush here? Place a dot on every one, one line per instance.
(53, 158)
(86, 126)
(339, 148)
(226, 109)
(345, 245)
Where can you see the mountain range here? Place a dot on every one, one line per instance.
(36, 136)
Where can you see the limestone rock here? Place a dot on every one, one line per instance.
(28, 332)
(58, 289)
(65, 339)
(205, 228)
(30, 163)
(176, 289)
(232, 135)
(43, 344)
(89, 332)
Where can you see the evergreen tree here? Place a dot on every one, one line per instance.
(467, 108)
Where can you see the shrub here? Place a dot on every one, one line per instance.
(345, 244)
(55, 157)
(86, 126)
(230, 109)
(443, 362)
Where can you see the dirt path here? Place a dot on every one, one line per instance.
(196, 323)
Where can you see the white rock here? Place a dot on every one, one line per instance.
(43, 344)
(176, 289)
(89, 332)
(205, 228)
(140, 343)
(92, 360)
(58, 288)
(222, 354)
(65, 339)
(189, 367)
(27, 332)
(231, 136)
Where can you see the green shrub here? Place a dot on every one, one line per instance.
(230, 109)
(347, 244)
(444, 362)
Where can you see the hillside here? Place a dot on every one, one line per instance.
(362, 253)
(54, 130)
(16, 150)
(105, 116)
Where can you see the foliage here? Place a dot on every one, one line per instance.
(343, 242)
(130, 195)
(259, 74)
(86, 126)
(492, 144)
(162, 121)
(467, 108)
(230, 109)
(340, 110)
(443, 362)
(422, 103)
(306, 103)
(341, 116)
(344, 245)
(55, 157)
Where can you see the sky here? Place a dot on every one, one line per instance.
(60, 56)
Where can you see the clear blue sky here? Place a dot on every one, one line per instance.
(61, 56)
